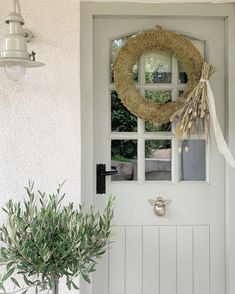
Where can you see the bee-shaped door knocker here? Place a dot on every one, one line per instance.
(159, 205)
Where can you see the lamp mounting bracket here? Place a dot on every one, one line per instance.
(28, 35)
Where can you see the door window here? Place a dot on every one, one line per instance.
(147, 151)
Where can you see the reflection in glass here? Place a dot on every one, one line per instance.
(158, 160)
(158, 67)
(192, 155)
(160, 97)
(183, 79)
(116, 45)
(181, 93)
(124, 158)
(122, 119)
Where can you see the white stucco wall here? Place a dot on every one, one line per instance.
(39, 116)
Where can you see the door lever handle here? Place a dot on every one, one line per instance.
(101, 173)
(104, 172)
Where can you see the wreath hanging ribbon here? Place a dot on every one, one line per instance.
(221, 143)
(193, 110)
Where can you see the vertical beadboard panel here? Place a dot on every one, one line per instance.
(184, 260)
(101, 277)
(156, 260)
(201, 260)
(168, 260)
(117, 262)
(151, 260)
(133, 260)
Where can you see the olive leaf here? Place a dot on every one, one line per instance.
(15, 282)
(8, 274)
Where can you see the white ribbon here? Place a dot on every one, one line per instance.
(221, 143)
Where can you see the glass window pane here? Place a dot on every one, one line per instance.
(124, 158)
(155, 127)
(116, 45)
(158, 160)
(183, 79)
(161, 97)
(158, 67)
(122, 119)
(193, 160)
(181, 93)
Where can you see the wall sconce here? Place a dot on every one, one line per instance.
(14, 57)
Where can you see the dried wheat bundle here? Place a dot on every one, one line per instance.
(193, 117)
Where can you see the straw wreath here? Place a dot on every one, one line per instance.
(185, 52)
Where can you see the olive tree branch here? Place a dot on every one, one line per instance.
(19, 290)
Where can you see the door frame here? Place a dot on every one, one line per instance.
(88, 11)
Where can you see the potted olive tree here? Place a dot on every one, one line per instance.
(44, 241)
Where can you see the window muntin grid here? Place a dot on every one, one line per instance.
(156, 88)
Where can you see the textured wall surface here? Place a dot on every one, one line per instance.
(39, 116)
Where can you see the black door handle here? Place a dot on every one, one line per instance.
(101, 173)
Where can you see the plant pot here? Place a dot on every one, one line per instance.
(53, 290)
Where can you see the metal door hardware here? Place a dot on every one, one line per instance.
(101, 173)
(159, 205)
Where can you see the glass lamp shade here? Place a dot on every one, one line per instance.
(15, 71)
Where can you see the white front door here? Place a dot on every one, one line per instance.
(182, 252)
